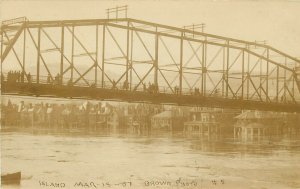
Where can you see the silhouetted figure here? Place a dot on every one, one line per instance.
(155, 87)
(93, 85)
(216, 92)
(70, 83)
(48, 78)
(114, 84)
(125, 85)
(57, 79)
(29, 77)
(176, 90)
(22, 76)
(197, 92)
(18, 77)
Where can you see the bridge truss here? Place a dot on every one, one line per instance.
(106, 53)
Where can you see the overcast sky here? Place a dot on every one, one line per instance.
(277, 22)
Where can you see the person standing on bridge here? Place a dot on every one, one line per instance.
(18, 76)
(144, 87)
(114, 84)
(70, 83)
(22, 76)
(48, 79)
(156, 88)
(29, 77)
(57, 78)
(125, 85)
(149, 87)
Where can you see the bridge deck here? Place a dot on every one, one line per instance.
(62, 91)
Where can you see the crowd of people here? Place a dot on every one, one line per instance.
(57, 79)
(152, 88)
(17, 76)
(20, 76)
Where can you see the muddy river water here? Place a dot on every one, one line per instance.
(130, 161)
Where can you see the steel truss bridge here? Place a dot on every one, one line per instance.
(139, 61)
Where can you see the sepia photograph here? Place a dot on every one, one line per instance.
(170, 94)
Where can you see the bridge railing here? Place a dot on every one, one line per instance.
(16, 77)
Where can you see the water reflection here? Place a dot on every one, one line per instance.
(142, 156)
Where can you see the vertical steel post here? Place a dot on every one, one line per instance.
(131, 53)
(203, 85)
(1, 50)
(223, 73)
(202, 74)
(62, 49)
(243, 73)
(38, 55)
(260, 76)
(248, 76)
(227, 69)
(127, 53)
(294, 77)
(267, 76)
(103, 56)
(156, 60)
(24, 52)
(284, 80)
(96, 58)
(277, 84)
(293, 86)
(181, 60)
(1, 45)
(72, 58)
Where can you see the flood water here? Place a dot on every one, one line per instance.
(130, 161)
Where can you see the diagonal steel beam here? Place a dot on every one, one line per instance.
(195, 53)
(241, 85)
(202, 41)
(64, 56)
(168, 51)
(259, 59)
(12, 42)
(82, 46)
(143, 78)
(216, 86)
(171, 56)
(121, 77)
(166, 81)
(197, 80)
(235, 60)
(210, 79)
(291, 95)
(174, 79)
(116, 42)
(36, 46)
(105, 74)
(214, 58)
(16, 55)
(256, 90)
(145, 47)
(82, 76)
(136, 73)
(270, 61)
(268, 98)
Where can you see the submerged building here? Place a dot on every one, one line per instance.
(210, 121)
(202, 121)
(169, 120)
(251, 125)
